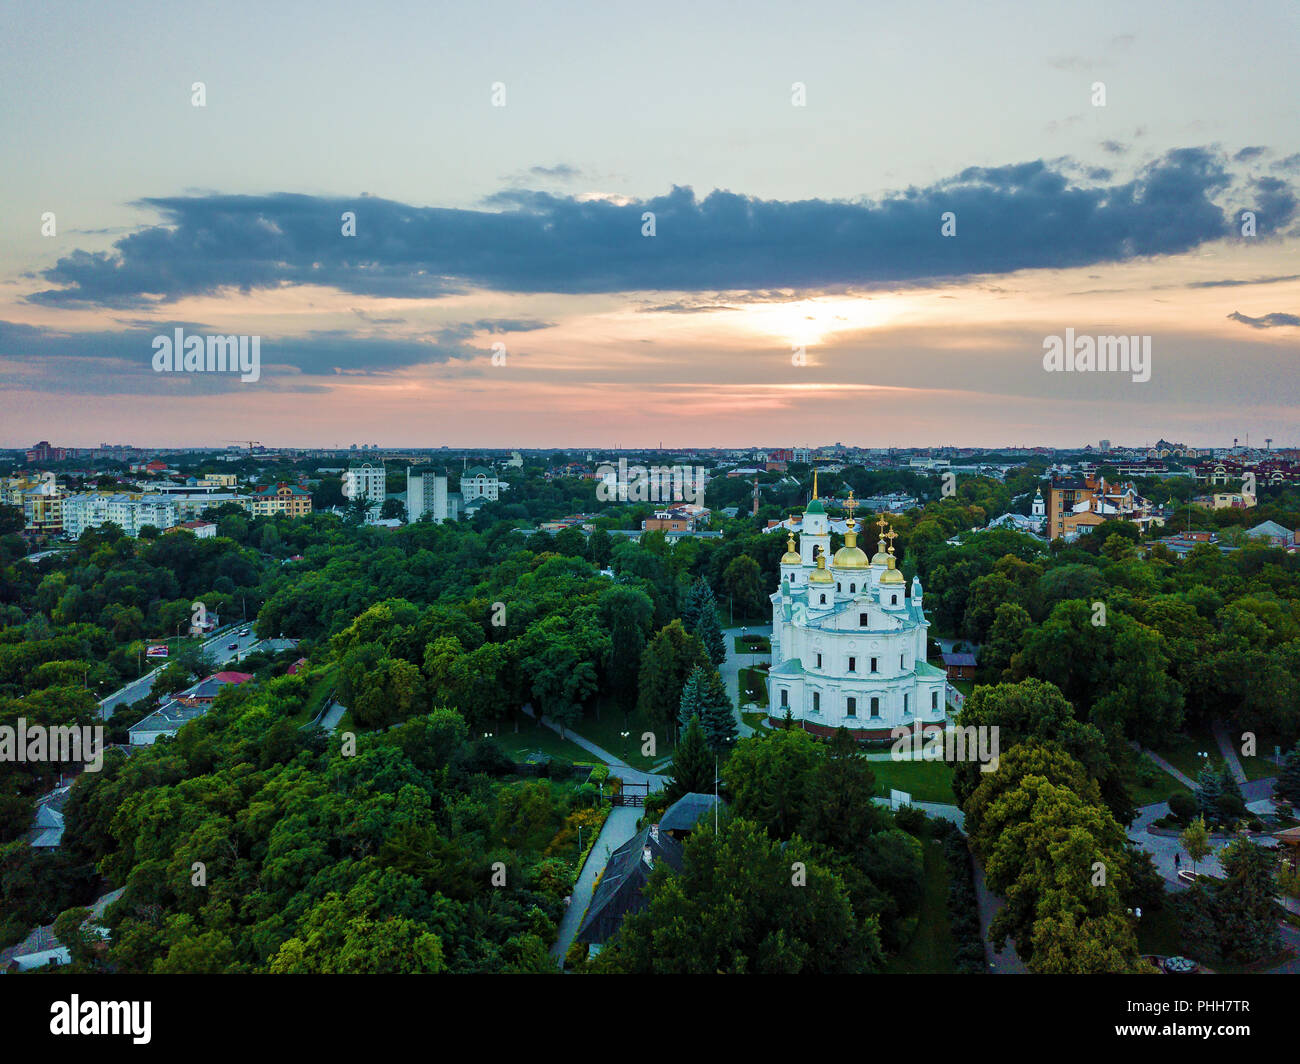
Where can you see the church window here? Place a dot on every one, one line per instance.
(905, 705)
(900, 661)
(893, 600)
(817, 702)
(853, 664)
(875, 707)
(864, 620)
(851, 708)
(823, 600)
(819, 661)
(852, 588)
(934, 699)
(785, 697)
(873, 664)
(838, 589)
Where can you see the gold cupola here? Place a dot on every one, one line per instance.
(850, 556)
(791, 556)
(892, 574)
(821, 575)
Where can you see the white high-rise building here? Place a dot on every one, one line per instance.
(426, 492)
(365, 478)
(848, 642)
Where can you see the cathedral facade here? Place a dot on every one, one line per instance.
(848, 641)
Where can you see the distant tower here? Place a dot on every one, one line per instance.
(755, 509)
(1039, 507)
(1268, 443)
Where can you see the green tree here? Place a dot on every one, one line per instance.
(1245, 903)
(1288, 780)
(693, 764)
(665, 665)
(1195, 839)
(742, 580)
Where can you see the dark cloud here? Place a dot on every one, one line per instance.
(1235, 283)
(559, 172)
(1268, 321)
(1247, 154)
(1023, 216)
(121, 362)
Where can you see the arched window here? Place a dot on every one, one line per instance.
(823, 600)
(852, 588)
(893, 600)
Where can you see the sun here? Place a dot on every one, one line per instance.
(808, 322)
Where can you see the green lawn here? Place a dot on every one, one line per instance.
(607, 734)
(1183, 753)
(753, 686)
(925, 781)
(317, 694)
(764, 647)
(533, 736)
(931, 949)
(1150, 793)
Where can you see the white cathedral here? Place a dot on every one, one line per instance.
(848, 642)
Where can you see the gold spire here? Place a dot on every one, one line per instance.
(814, 483)
(881, 558)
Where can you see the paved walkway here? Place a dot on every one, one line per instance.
(730, 670)
(1229, 752)
(619, 826)
(331, 717)
(1162, 763)
(1006, 962)
(625, 771)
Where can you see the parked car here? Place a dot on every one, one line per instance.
(232, 646)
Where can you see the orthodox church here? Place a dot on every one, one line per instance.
(848, 642)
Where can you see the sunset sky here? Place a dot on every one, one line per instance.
(776, 226)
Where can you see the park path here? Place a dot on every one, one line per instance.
(735, 661)
(1007, 961)
(619, 826)
(1229, 752)
(1186, 781)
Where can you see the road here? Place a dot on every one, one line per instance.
(217, 648)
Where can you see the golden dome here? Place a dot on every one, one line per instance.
(880, 557)
(891, 575)
(821, 575)
(791, 556)
(850, 556)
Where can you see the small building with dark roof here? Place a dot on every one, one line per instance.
(680, 818)
(622, 884)
(960, 666)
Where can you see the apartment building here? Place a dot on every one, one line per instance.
(129, 512)
(281, 498)
(366, 479)
(426, 493)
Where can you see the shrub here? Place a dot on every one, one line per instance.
(911, 820)
(1183, 806)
